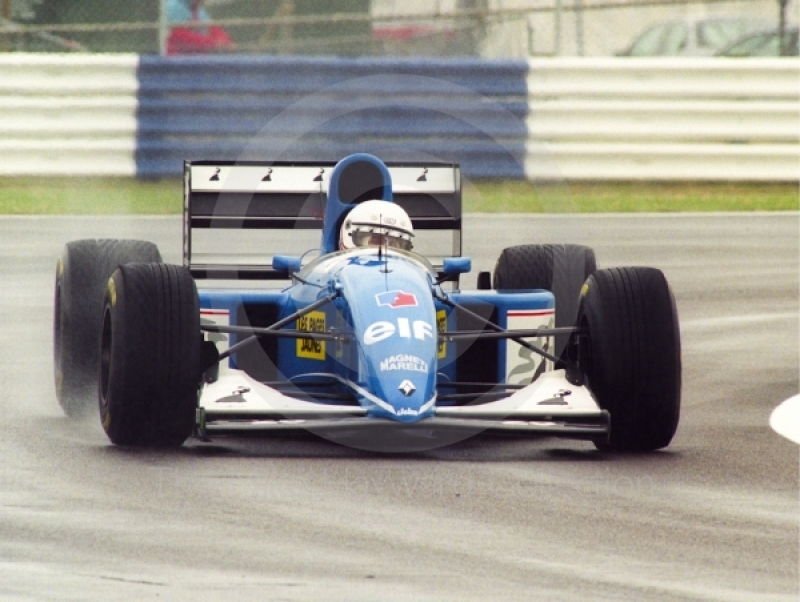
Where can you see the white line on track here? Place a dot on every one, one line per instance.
(785, 419)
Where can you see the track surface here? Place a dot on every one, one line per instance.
(713, 517)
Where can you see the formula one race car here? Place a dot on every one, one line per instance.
(372, 343)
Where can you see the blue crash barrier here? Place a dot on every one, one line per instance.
(235, 108)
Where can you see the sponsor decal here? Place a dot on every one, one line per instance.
(395, 299)
(216, 317)
(524, 366)
(403, 361)
(379, 331)
(531, 313)
(236, 396)
(554, 401)
(365, 260)
(309, 348)
(407, 388)
(214, 312)
(441, 326)
(407, 412)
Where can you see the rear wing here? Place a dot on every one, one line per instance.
(238, 215)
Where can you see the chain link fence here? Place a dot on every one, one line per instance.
(485, 28)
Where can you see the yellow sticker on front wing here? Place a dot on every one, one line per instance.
(313, 321)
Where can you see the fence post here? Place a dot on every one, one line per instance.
(5, 17)
(163, 29)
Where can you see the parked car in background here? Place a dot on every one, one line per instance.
(764, 43)
(692, 37)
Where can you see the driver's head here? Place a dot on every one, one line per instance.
(376, 223)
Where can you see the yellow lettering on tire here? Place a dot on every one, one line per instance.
(112, 291)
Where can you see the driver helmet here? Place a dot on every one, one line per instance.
(376, 223)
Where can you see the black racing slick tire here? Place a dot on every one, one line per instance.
(81, 275)
(150, 366)
(559, 268)
(630, 352)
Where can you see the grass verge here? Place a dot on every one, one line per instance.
(89, 196)
(93, 196)
(630, 197)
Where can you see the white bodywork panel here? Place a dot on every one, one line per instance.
(241, 403)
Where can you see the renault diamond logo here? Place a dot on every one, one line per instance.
(407, 387)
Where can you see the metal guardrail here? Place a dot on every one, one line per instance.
(67, 114)
(664, 119)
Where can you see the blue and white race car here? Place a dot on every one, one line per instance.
(368, 340)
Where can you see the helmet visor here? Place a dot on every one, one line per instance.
(389, 239)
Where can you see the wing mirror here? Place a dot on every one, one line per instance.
(452, 266)
(286, 263)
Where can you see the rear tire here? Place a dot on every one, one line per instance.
(81, 276)
(560, 269)
(149, 355)
(631, 355)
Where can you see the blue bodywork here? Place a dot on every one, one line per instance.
(390, 361)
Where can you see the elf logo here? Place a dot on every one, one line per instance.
(396, 299)
(405, 329)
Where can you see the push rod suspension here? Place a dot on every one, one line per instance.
(513, 336)
(509, 334)
(266, 332)
(279, 324)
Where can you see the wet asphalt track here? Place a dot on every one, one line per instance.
(714, 517)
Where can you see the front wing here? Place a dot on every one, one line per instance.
(238, 404)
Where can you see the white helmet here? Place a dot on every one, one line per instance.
(376, 223)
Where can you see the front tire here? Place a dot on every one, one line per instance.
(81, 275)
(630, 351)
(149, 355)
(560, 269)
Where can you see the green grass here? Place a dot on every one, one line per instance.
(40, 196)
(82, 196)
(629, 197)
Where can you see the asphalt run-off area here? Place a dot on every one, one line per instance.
(712, 517)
